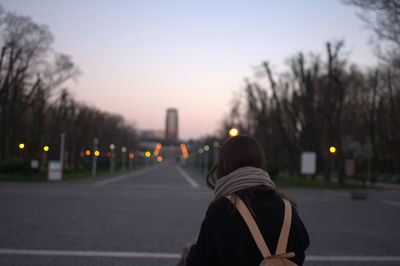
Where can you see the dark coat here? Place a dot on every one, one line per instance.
(225, 239)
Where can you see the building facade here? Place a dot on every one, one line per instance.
(171, 127)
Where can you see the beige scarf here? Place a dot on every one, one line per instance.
(242, 178)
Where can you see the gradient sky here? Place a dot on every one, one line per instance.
(139, 58)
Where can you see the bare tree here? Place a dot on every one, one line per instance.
(27, 76)
(383, 17)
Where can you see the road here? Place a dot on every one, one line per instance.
(144, 218)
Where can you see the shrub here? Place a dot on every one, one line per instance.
(15, 165)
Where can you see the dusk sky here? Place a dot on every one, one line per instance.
(139, 58)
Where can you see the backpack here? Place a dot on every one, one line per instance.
(281, 256)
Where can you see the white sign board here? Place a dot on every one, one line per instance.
(54, 171)
(308, 163)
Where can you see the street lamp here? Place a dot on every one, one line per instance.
(96, 153)
(46, 148)
(112, 147)
(131, 156)
(123, 150)
(332, 150)
(233, 132)
(21, 146)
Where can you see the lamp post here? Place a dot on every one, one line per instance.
(45, 149)
(215, 151)
(332, 150)
(201, 152)
(131, 157)
(206, 148)
(123, 159)
(21, 147)
(112, 147)
(94, 158)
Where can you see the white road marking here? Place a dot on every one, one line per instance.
(158, 255)
(354, 258)
(391, 202)
(90, 253)
(187, 177)
(122, 177)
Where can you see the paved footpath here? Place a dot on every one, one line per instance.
(144, 217)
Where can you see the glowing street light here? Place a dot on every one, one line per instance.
(147, 154)
(200, 151)
(97, 153)
(123, 149)
(87, 152)
(332, 149)
(21, 146)
(131, 155)
(112, 147)
(233, 132)
(206, 148)
(160, 158)
(46, 148)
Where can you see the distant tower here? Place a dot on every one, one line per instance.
(171, 128)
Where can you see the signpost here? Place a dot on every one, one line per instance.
(308, 160)
(54, 171)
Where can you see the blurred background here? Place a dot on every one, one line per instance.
(94, 92)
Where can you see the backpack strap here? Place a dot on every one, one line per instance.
(284, 236)
(255, 231)
(251, 224)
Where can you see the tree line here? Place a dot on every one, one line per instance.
(35, 109)
(323, 101)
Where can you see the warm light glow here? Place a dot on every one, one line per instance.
(123, 149)
(216, 144)
(157, 149)
(200, 150)
(46, 148)
(160, 159)
(332, 149)
(147, 154)
(206, 148)
(87, 152)
(21, 146)
(233, 132)
(97, 153)
(112, 146)
(131, 155)
(184, 150)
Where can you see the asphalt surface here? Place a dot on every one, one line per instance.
(144, 218)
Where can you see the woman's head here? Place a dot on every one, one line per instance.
(237, 152)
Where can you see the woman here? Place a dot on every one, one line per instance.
(224, 237)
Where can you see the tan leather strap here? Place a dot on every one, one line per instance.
(284, 236)
(251, 224)
(283, 256)
(255, 231)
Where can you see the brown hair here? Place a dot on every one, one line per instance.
(237, 152)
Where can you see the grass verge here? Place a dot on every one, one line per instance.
(292, 181)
